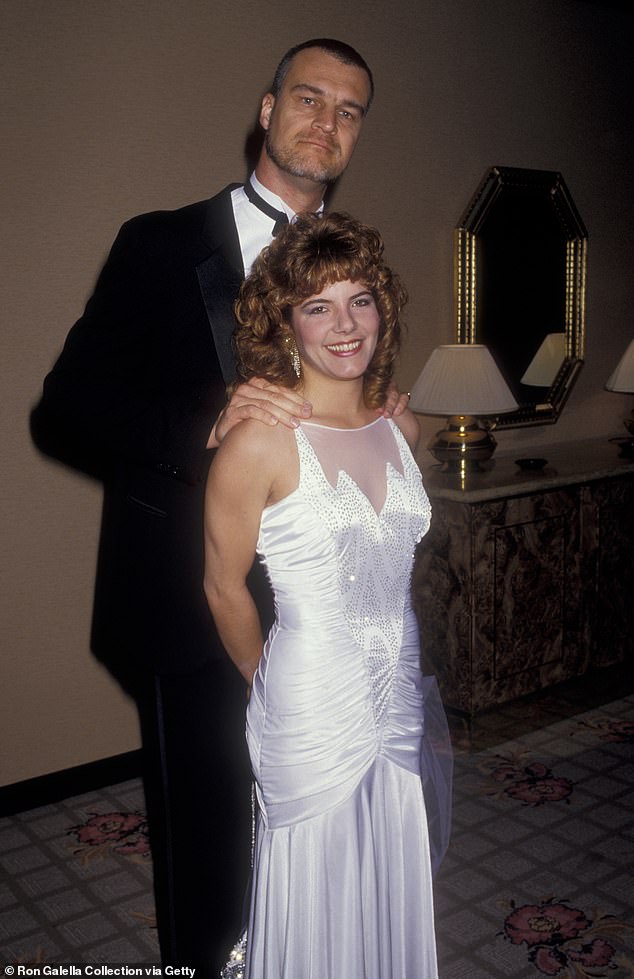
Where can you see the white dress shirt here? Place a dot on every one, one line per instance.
(255, 229)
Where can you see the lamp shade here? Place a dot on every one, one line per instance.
(461, 379)
(622, 377)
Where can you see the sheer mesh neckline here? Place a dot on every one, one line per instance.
(333, 428)
(364, 454)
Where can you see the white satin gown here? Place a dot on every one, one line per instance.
(342, 885)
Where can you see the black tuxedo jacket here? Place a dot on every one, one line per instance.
(131, 400)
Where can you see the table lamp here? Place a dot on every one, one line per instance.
(463, 382)
(621, 380)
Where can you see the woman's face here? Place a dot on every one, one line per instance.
(337, 330)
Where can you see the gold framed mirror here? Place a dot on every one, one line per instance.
(520, 286)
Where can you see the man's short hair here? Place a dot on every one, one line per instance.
(337, 49)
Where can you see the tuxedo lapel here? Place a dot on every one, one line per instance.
(219, 284)
(220, 276)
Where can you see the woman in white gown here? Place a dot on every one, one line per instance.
(342, 881)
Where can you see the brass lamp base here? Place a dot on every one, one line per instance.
(462, 445)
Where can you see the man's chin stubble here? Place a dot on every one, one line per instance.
(294, 165)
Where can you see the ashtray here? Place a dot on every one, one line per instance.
(531, 463)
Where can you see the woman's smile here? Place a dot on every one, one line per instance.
(344, 349)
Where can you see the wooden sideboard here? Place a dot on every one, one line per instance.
(526, 578)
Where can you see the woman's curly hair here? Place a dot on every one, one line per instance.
(309, 254)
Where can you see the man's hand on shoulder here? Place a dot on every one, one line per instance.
(268, 403)
(395, 403)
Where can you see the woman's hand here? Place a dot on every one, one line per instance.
(270, 404)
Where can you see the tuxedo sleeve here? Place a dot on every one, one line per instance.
(137, 379)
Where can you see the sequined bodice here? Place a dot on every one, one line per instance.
(366, 555)
(375, 552)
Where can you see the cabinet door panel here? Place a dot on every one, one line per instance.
(527, 594)
(530, 596)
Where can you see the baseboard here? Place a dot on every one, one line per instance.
(47, 789)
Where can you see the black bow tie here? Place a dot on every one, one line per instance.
(280, 218)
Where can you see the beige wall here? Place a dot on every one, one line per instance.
(112, 107)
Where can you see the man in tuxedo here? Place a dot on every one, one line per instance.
(137, 399)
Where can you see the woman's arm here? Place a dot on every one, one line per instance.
(238, 488)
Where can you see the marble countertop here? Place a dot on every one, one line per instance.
(567, 463)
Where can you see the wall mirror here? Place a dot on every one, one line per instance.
(520, 282)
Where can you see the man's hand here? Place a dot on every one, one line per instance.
(395, 403)
(269, 403)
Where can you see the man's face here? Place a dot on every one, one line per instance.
(314, 123)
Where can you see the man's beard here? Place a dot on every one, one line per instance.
(294, 163)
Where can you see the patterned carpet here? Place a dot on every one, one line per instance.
(538, 880)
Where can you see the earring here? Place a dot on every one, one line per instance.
(293, 353)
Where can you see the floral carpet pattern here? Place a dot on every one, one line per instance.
(542, 851)
(76, 881)
(538, 880)
(563, 941)
(530, 782)
(122, 832)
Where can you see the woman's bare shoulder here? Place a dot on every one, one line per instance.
(256, 439)
(263, 455)
(409, 426)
